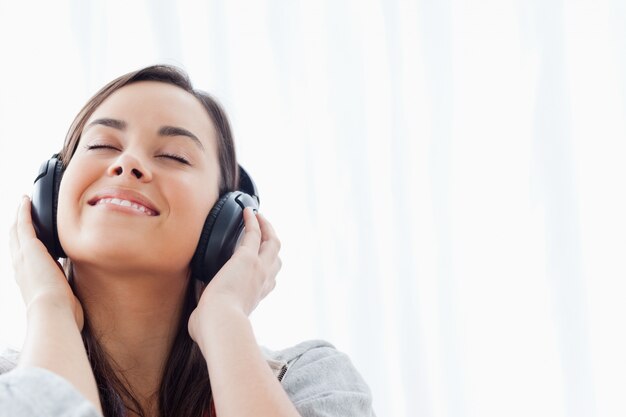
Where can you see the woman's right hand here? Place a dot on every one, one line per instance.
(40, 277)
(55, 317)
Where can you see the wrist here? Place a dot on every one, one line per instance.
(53, 342)
(47, 305)
(210, 323)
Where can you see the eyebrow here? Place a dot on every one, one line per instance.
(163, 130)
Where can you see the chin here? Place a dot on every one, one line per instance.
(128, 254)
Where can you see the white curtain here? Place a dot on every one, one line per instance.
(446, 177)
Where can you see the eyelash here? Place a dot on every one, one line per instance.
(175, 157)
(91, 147)
(172, 156)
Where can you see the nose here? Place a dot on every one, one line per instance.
(128, 164)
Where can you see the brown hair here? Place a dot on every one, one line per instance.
(185, 389)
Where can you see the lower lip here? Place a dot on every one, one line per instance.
(121, 209)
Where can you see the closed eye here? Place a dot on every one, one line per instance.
(175, 157)
(90, 147)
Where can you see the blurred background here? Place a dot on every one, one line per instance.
(446, 177)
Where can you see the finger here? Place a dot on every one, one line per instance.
(267, 230)
(14, 237)
(252, 235)
(276, 266)
(270, 283)
(270, 244)
(24, 222)
(14, 243)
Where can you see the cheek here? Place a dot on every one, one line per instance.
(68, 203)
(67, 195)
(191, 203)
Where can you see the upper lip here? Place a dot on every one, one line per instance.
(124, 194)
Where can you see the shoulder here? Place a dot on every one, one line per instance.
(293, 353)
(8, 359)
(321, 380)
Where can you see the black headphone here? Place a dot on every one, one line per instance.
(222, 229)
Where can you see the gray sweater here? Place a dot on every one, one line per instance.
(319, 380)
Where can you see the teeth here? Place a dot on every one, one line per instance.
(126, 203)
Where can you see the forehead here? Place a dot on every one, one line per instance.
(151, 104)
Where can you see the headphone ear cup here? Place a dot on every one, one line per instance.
(198, 262)
(221, 233)
(44, 205)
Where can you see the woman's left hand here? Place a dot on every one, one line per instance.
(247, 277)
(242, 383)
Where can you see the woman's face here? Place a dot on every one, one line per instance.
(144, 177)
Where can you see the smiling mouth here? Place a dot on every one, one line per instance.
(139, 208)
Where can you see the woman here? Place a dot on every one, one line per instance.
(130, 328)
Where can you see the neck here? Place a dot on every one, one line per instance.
(135, 319)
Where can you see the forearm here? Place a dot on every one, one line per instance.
(241, 380)
(53, 342)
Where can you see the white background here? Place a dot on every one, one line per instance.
(446, 177)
